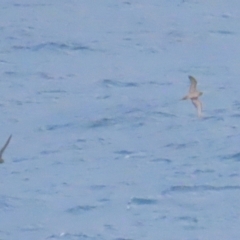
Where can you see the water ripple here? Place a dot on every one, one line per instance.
(143, 201)
(54, 46)
(235, 157)
(55, 127)
(199, 188)
(115, 83)
(71, 236)
(103, 122)
(80, 209)
(163, 160)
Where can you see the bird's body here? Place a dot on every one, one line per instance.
(3, 148)
(194, 95)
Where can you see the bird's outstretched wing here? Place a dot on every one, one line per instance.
(197, 103)
(5, 145)
(193, 86)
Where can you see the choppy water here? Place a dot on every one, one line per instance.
(102, 147)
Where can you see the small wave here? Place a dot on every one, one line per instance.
(48, 152)
(188, 222)
(79, 236)
(80, 209)
(176, 146)
(23, 5)
(129, 154)
(235, 157)
(54, 46)
(163, 160)
(115, 83)
(200, 188)
(55, 127)
(143, 201)
(188, 219)
(223, 32)
(236, 115)
(104, 122)
(51, 91)
(7, 203)
(123, 152)
(200, 171)
(164, 114)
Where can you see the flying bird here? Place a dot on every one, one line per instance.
(194, 95)
(3, 148)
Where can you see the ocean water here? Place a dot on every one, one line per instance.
(102, 147)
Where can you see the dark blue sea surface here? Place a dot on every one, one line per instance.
(102, 146)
